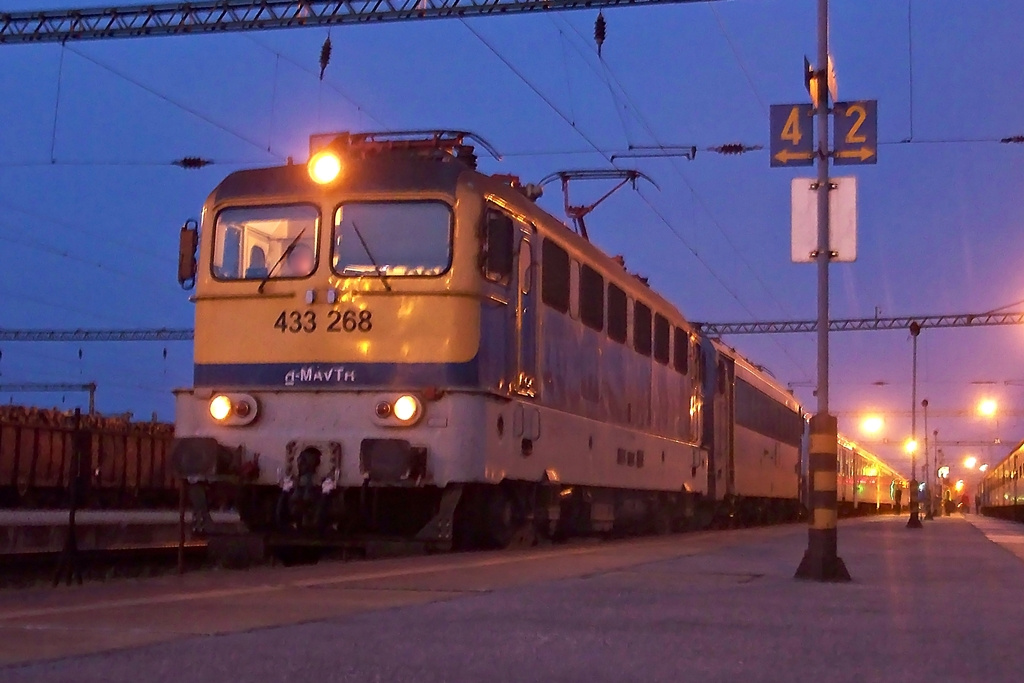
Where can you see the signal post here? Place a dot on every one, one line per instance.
(821, 234)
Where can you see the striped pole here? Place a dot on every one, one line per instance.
(821, 561)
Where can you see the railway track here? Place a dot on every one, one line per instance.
(24, 569)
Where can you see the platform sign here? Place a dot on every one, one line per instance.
(856, 133)
(842, 218)
(792, 134)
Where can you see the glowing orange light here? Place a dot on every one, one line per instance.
(324, 167)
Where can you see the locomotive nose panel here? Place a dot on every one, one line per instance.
(392, 461)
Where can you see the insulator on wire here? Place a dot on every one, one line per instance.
(192, 162)
(325, 56)
(600, 29)
(1013, 139)
(731, 148)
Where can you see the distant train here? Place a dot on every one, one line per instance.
(1000, 492)
(124, 463)
(389, 341)
(866, 484)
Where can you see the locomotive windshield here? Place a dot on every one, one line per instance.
(392, 238)
(254, 243)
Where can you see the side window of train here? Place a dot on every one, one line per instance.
(661, 339)
(574, 290)
(616, 314)
(642, 329)
(496, 251)
(681, 351)
(591, 298)
(554, 284)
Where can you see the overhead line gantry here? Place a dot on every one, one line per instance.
(218, 16)
(840, 325)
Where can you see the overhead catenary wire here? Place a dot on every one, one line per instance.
(167, 98)
(327, 79)
(705, 207)
(644, 198)
(739, 58)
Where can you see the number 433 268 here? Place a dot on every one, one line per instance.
(336, 321)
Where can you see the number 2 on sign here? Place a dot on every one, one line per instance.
(791, 132)
(861, 113)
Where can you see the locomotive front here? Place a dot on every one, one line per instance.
(337, 332)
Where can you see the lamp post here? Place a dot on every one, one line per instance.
(928, 514)
(915, 520)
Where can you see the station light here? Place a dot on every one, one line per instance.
(983, 468)
(943, 472)
(959, 485)
(324, 167)
(987, 407)
(910, 446)
(970, 461)
(872, 424)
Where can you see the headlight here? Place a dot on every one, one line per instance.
(233, 409)
(407, 408)
(220, 408)
(324, 167)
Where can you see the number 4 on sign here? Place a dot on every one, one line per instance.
(791, 131)
(792, 139)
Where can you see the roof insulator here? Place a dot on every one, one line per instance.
(325, 56)
(600, 28)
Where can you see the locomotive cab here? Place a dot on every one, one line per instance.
(338, 328)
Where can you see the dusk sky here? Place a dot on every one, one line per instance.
(90, 206)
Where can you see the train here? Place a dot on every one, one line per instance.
(866, 484)
(389, 341)
(999, 492)
(124, 463)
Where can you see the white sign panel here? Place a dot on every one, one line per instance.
(842, 209)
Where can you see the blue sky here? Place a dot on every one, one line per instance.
(90, 240)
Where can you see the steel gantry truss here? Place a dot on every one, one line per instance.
(218, 16)
(860, 324)
(53, 387)
(842, 325)
(159, 334)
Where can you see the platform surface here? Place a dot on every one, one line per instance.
(936, 604)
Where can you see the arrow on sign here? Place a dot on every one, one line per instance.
(863, 153)
(785, 156)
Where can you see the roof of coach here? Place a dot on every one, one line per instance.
(1016, 450)
(869, 456)
(758, 376)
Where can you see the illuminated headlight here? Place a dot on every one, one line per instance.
(324, 167)
(220, 408)
(233, 409)
(407, 408)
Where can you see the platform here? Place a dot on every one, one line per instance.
(44, 531)
(936, 604)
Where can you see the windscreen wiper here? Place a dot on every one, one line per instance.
(366, 248)
(288, 250)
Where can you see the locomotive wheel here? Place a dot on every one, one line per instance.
(507, 524)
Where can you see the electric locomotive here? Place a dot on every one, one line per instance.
(389, 341)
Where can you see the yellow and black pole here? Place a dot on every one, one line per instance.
(821, 561)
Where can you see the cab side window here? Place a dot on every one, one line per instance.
(496, 251)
